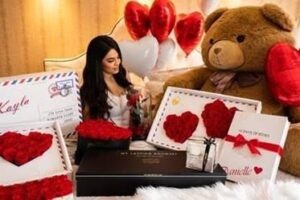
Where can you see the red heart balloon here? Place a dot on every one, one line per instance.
(283, 73)
(162, 19)
(137, 19)
(188, 31)
(20, 149)
(180, 128)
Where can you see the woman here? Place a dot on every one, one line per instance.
(105, 83)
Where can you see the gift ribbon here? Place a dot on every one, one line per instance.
(208, 142)
(239, 140)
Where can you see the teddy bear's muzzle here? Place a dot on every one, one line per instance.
(226, 55)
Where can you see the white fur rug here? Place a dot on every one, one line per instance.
(263, 190)
(289, 190)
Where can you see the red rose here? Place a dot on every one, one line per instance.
(33, 190)
(217, 119)
(103, 130)
(9, 154)
(21, 157)
(180, 128)
(4, 192)
(63, 187)
(133, 99)
(47, 188)
(33, 152)
(18, 192)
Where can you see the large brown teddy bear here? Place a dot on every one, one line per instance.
(234, 50)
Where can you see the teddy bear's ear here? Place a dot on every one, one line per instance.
(212, 17)
(277, 16)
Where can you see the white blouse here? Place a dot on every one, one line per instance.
(119, 113)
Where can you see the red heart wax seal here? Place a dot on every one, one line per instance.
(20, 149)
(258, 170)
(180, 128)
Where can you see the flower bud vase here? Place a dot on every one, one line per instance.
(139, 102)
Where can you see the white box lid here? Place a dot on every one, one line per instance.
(178, 100)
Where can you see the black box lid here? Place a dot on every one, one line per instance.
(145, 163)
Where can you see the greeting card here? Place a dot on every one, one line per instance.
(253, 146)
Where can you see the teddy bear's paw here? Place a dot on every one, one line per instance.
(290, 161)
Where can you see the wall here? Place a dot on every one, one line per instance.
(32, 30)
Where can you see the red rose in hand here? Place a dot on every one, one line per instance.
(133, 99)
(217, 119)
(20, 149)
(180, 128)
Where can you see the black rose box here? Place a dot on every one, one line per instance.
(107, 173)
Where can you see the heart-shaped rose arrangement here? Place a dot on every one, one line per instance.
(282, 70)
(217, 118)
(180, 128)
(20, 149)
(160, 20)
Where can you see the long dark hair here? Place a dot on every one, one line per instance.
(94, 89)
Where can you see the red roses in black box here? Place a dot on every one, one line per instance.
(102, 130)
(20, 149)
(101, 134)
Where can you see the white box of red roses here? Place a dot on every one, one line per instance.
(179, 115)
(33, 155)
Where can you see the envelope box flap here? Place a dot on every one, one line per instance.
(54, 161)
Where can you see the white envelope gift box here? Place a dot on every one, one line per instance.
(53, 162)
(178, 100)
(45, 96)
(252, 149)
